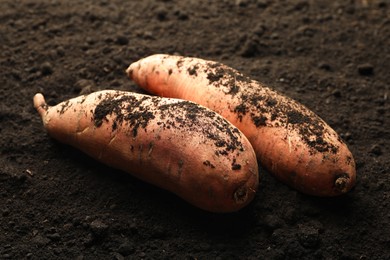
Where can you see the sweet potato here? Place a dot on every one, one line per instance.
(291, 141)
(177, 145)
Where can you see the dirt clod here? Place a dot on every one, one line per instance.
(366, 69)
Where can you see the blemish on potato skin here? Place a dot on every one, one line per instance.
(235, 165)
(240, 195)
(65, 106)
(180, 167)
(209, 164)
(192, 71)
(150, 150)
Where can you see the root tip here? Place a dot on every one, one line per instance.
(342, 184)
(241, 195)
(129, 71)
(40, 103)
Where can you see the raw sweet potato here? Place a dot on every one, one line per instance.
(175, 144)
(291, 141)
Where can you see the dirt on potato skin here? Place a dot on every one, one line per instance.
(57, 203)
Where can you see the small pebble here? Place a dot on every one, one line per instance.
(5, 212)
(148, 35)
(158, 233)
(106, 50)
(324, 66)
(162, 14)
(346, 136)
(54, 237)
(98, 227)
(262, 3)
(272, 222)
(382, 4)
(376, 149)
(250, 48)
(84, 86)
(122, 40)
(242, 3)
(40, 240)
(366, 69)
(308, 236)
(336, 93)
(60, 51)
(181, 15)
(16, 74)
(126, 248)
(260, 29)
(46, 68)
(90, 40)
(118, 256)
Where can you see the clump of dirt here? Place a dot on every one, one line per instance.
(126, 108)
(137, 111)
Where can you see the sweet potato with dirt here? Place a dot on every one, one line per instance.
(291, 141)
(177, 145)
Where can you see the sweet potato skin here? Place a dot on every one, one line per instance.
(174, 144)
(291, 141)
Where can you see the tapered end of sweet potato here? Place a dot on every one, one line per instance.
(40, 105)
(129, 72)
(344, 183)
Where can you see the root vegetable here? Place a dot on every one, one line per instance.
(291, 141)
(177, 145)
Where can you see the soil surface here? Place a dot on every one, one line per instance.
(56, 203)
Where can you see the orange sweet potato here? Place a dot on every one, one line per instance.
(177, 145)
(291, 141)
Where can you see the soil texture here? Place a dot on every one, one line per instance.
(57, 203)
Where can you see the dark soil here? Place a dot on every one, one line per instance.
(56, 203)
